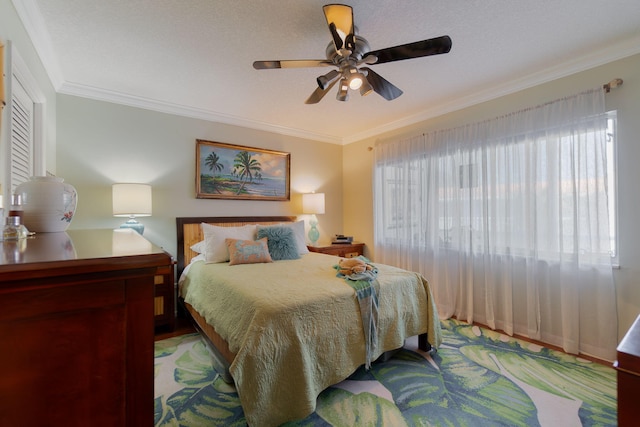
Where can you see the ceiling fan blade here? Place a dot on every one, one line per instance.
(319, 93)
(340, 21)
(419, 49)
(296, 63)
(382, 87)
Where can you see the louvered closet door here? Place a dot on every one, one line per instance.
(22, 135)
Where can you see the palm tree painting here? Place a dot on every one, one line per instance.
(212, 161)
(246, 168)
(227, 171)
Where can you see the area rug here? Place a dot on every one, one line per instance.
(477, 378)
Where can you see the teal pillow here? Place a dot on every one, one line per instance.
(281, 242)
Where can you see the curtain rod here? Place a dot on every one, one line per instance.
(612, 85)
(607, 88)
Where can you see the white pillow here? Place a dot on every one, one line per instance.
(198, 247)
(298, 231)
(215, 248)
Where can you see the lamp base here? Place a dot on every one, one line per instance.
(314, 234)
(132, 223)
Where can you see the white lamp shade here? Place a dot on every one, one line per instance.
(313, 203)
(131, 200)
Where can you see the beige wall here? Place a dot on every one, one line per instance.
(358, 163)
(100, 143)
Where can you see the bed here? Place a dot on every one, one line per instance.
(283, 331)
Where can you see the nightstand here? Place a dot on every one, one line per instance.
(345, 250)
(164, 300)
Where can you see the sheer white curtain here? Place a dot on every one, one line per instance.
(508, 221)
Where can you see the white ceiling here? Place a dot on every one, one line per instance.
(194, 57)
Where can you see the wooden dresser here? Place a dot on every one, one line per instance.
(77, 329)
(628, 367)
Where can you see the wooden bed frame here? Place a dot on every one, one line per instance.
(189, 232)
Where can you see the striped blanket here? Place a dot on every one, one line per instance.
(365, 283)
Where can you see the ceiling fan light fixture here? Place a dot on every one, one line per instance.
(366, 88)
(355, 82)
(343, 91)
(354, 77)
(325, 80)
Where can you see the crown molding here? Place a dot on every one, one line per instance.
(611, 53)
(34, 24)
(191, 112)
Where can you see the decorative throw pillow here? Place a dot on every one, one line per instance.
(281, 242)
(214, 240)
(298, 231)
(248, 251)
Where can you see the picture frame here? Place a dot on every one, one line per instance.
(237, 172)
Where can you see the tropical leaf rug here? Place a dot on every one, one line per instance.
(477, 378)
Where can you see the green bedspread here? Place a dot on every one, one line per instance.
(296, 327)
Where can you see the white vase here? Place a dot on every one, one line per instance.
(48, 203)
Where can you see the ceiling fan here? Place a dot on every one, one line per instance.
(348, 52)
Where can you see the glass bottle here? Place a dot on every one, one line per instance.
(16, 208)
(11, 230)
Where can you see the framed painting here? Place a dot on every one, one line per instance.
(227, 171)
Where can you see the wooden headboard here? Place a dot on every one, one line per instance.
(189, 232)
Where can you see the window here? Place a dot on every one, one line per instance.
(478, 199)
(512, 220)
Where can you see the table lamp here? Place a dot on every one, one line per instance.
(132, 200)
